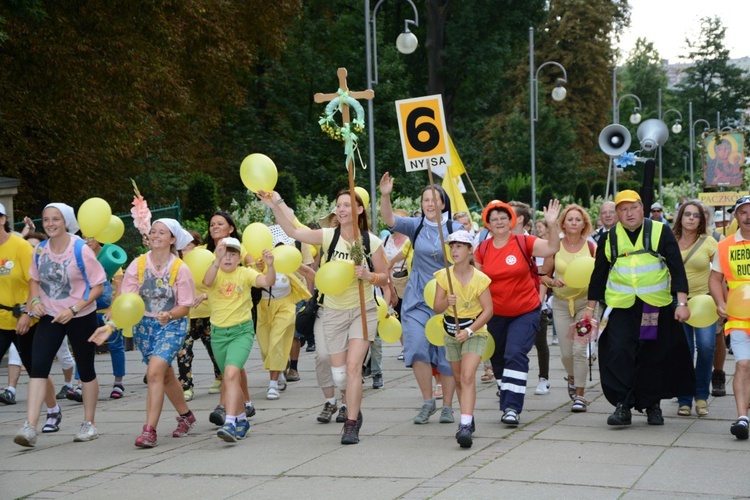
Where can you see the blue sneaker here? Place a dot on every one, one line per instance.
(228, 433)
(242, 427)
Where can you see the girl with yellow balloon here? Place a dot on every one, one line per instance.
(338, 279)
(465, 333)
(167, 290)
(697, 249)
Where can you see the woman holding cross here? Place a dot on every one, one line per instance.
(427, 252)
(346, 339)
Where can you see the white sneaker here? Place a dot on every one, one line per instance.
(87, 433)
(555, 341)
(282, 382)
(272, 393)
(542, 387)
(26, 436)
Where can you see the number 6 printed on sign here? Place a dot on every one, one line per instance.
(421, 123)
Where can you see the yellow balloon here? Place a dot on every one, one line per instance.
(198, 261)
(258, 173)
(362, 192)
(286, 259)
(489, 348)
(127, 332)
(334, 277)
(94, 216)
(702, 311)
(434, 330)
(127, 310)
(382, 308)
(738, 303)
(113, 232)
(389, 330)
(578, 273)
(448, 253)
(256, 238)
(429, 292)
(313, 250)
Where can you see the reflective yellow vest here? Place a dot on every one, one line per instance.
(636, 272)
(734, 257)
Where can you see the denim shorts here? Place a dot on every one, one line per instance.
(153, 339)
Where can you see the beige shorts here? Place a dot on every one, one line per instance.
(340, 325)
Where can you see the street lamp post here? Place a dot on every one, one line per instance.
(692, 143)
(635, 119)
(558, 94)
(676, 129)
(406, 43)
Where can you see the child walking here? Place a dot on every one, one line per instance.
(232, 331)
(473, 306)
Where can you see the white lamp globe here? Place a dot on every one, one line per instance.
(676, 128)
(407, 42)
(559, 93)
(635, 118)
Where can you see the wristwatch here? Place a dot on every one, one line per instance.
(74, 309)
(30, 314)
(469, 332)
(682, 304)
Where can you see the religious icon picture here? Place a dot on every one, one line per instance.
(723, 159)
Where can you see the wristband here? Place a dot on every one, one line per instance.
(214, 264)
(280, 201)
(375, 280)
(590, 308)
(682, 304)
(36, 301)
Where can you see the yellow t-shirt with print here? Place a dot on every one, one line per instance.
(349, 298)
(229, 297)
(15, 263)
(467, 297)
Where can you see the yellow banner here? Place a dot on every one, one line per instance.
(721, 199)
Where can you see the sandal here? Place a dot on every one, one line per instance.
(571, 387)
(53, 422)
(489, 376)
(510, 417)
(580, 405)
(684, 411)
(701, 407)
(118, 391)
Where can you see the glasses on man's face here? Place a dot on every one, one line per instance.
(692, 215)
(494, 220)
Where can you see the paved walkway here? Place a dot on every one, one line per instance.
(288, 454)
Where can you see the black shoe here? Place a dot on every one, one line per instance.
(366, 371)
(739, 429)
(718, 383)
(145, 381)
(653, 415)
(350, 434)
(218, 416)
(75, 395)
(343, 415)
(377, 381)
(249, 411)
(621, 416)
(463, 436)
(310, 348)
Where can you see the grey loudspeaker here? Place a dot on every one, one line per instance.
(652, 133)
(614, 139)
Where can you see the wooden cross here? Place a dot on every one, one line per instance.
(364, 94)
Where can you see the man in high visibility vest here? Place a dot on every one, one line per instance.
(643, 352)
(732, 263)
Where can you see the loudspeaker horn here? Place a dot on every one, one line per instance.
(614, 140)
(652, 133)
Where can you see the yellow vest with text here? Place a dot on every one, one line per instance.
(734, 257)
(633, 274)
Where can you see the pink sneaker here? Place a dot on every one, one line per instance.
(147, 439)
(183, 425)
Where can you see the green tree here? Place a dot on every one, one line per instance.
(582, 193)
(202, 196)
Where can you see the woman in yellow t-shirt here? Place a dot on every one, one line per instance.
(346, 341)
(569, 303)
(697, 249)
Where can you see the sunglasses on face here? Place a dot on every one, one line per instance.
(692, 215)
(656, 210)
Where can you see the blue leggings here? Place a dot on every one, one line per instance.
(116, 352)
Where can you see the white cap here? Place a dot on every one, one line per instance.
(71, 224)
(461, 237)
(2, 209)
(233, 243)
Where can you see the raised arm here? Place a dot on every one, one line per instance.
(386, 210)
(549, 247)
(268, 279)
(279, 209)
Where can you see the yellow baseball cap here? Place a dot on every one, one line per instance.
(627, 195)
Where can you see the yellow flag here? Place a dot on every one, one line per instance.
(458, 204)
(457, 166)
